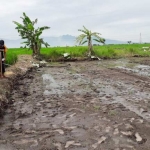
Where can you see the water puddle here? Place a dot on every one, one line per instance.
(142, 70)
(51, 86)
(125, 64)
(65, 84)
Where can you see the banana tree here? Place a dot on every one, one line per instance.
(87, 37)
(100, 40)
(31, 34)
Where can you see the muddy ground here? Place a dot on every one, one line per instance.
(13, 73)
(90, 105)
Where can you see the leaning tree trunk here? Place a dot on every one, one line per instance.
(36, 50)
(90, 49)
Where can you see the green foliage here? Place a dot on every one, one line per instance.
(86, 37)
(129, 42)
(105, 51)
(12, 54)
(54, 55)
(132, 51)
(112, 113)
(11, 58)
(31, 34)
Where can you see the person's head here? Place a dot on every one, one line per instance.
(1, 42)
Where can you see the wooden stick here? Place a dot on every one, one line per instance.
(1, 64)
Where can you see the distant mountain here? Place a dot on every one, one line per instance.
(64, 40)
(69, 40)
(13, 43)
(109, 41)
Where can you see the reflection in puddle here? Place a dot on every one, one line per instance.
(124, 64)
(47, 78)
(50, 83)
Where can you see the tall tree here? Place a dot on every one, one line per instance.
(32, 35)
(86, 37)
(129, 42)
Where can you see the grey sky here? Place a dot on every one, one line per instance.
(114, 19)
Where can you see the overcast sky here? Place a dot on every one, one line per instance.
(114, 19)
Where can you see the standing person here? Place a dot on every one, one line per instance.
(3, 50)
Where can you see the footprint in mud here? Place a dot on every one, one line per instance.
(90, 109)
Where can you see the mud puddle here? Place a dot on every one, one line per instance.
(129, 67)
(83, 106)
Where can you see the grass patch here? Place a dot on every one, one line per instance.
(12, 54)
(105, 51)
(112, 113)
(96, 107)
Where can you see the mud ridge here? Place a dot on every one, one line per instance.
(13, 74)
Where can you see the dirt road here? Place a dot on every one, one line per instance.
(101, 105)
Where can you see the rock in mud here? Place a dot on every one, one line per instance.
(25, 141)
(59, 131)
(58, 145)
(139, 139)
(2, 141)
(71, 143)
(69, 128)
(143, 110)
(128, 133)
(116, 131)
(129, 127)
(101, 140)
(107, 130)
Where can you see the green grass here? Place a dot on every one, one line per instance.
(121, 50)
(55, 53)
(105, 51)
(12, 53)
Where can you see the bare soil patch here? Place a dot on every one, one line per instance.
(90, 105)
(13, 74)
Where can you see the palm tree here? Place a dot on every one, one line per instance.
(87, 36)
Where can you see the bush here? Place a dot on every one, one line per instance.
(53, 55)
(11, 58)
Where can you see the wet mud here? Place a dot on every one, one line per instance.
(90, 105)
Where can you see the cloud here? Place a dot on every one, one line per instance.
(115, 19)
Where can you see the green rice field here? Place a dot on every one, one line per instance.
(104, 52)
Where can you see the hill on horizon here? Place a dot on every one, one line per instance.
(64, 40)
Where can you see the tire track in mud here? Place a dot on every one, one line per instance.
(75, 108)
(136, 91)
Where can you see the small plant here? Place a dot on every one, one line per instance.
(132, 51)
(112, 53)
(54, 55)
(96, 107)
(83, 106)
(82, 68)
(112, 112)
(72, 71)
(11, 59)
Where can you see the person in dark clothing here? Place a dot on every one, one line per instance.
(3, 50)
